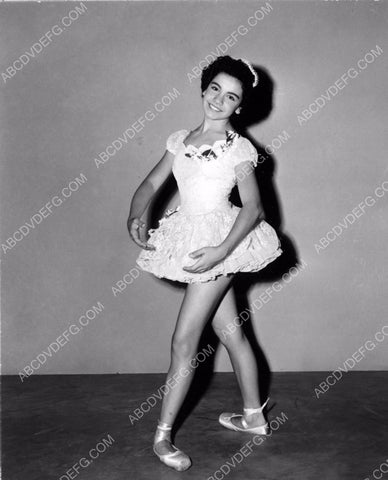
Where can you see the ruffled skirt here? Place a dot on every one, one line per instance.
(179, 234)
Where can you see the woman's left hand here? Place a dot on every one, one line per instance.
(208, 257)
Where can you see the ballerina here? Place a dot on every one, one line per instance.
(205, 241)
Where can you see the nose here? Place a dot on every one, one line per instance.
(217, 98)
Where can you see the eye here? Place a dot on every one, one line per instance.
(214, 87)
(231, 97)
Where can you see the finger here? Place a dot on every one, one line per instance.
(196, 253)
(137, 239)
(139, 243)
(198, 268)
(134, 232)
(147, 246)
(188, 269)
(194, 268)
(140, 235)
(137, 228)
(136, 236)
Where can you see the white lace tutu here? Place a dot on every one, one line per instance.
(206, 216)
(179, 234)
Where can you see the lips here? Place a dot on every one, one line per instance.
(212, 107)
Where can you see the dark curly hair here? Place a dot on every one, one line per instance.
(235, 68)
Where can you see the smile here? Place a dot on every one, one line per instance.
(214, 108)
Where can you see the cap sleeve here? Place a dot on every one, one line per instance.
(244, 152)
(174, 140)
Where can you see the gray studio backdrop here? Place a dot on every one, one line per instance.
(76, 81)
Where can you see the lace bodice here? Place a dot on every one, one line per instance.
(205, 184)
(205, 177)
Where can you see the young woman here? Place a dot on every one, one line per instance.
(205, 241)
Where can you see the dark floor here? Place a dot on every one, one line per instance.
(50, 423)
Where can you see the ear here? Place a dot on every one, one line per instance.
(238, 110)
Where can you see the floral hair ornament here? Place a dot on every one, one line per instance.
(256, 78)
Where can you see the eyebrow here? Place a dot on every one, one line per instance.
(231, 93)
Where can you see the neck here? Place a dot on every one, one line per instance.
(216, 126)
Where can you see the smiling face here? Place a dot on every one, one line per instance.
(222, 96)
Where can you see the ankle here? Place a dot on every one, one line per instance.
(163, 432)
(255, 419)
(164, 426)
(252, 411)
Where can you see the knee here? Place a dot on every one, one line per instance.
(222, 335)
(232, 338)
(183, 348)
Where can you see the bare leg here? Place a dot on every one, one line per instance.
(199, 302)
(241, 357)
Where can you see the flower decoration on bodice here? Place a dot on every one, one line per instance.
(218, 148)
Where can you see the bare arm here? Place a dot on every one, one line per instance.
(144, 194)
(247, 217)
(251, 209)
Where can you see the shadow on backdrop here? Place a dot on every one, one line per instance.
(259, 108)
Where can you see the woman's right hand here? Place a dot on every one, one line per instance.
(135, 225)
